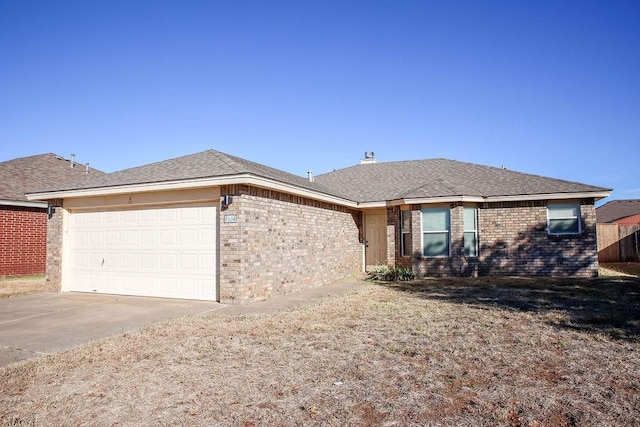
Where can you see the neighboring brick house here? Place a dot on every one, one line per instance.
(218, 227)
(23, 223)
(619, 231)
(621, 212)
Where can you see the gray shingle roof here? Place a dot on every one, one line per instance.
(27, 174)
(206, 164)
(617, 209)
(440, 178)
(377, 182)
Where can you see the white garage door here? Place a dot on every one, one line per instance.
(161, 252)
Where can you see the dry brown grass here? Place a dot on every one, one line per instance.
(510, 352)
(630, 268)
(22, 285)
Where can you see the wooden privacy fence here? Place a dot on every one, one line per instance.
(618, 243)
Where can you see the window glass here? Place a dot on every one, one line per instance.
(470, 232)
(435, 232)
(470, 243)
(406, 233)
(435, 219)
(469, 218)
(436, 244)
(563, 211)
(564, 218)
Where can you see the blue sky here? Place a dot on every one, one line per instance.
(544, 87)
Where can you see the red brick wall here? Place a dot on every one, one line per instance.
(630, 220)
(23, 240)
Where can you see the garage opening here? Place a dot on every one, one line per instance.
(156, 251)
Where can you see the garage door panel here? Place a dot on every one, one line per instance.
(168, 261)
(208, 261)
(129, 216)
(149, 215)
(95, 260)
(112, 260)
(162, 252)
(79, 260)
(188, 216)
(98, 218)
(112, 238)
(168, 237)
(167, 216)
(148, 261)
(148, 237)
(209, 214)
(129, 237)
(130, 261)
(189, 262)
(111, 218)
(79, 239)
(188, 237)
(112, 284)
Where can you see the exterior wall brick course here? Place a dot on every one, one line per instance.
(513, 241)
(54, 247)
(283, 243)
(23, 240)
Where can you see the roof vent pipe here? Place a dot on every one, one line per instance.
(73, 160)
(310, 176)
(368, 158)
(86, 165)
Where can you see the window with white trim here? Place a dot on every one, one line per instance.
(563, 218)
(436, 227)
(470, 231)
(405, 227)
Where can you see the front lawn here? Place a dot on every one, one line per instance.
(21, 285)
(516, 352)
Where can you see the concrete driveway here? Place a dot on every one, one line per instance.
(41, 324)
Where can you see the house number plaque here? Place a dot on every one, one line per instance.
(230, 219)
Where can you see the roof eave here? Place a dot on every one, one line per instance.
(597, 195)
(248, 179)
(442, 199)
(23, 203)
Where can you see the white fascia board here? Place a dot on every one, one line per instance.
(597, 195)
(24, 204)
(515, 198)
(194, 183)
(428, 200)
(372, 205)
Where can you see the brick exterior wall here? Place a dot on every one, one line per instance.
(283, 243)
(513, 241)
(23, 240)
(54, 247)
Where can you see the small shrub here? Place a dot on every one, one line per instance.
(392, 274)
(380, 272)
(403, 274)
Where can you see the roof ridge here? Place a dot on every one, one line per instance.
(227, 159)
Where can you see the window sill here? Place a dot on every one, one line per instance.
(563, 234)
